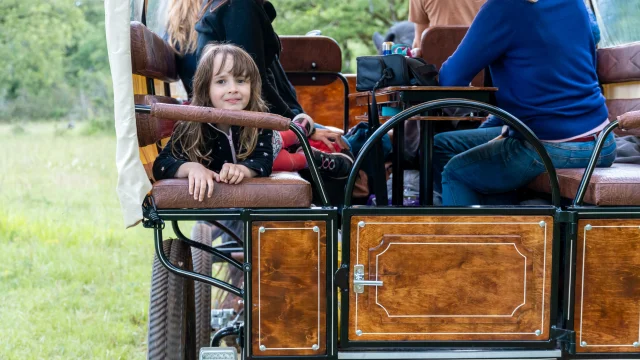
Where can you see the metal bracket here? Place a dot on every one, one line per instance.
(359, 282)
(565, 337)
(566, 217)
(341, 278)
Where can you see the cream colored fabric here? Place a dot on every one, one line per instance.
(133, 183)
(444, 12)
(627, 90)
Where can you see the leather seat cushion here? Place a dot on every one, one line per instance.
(280, 190)
(616, 185)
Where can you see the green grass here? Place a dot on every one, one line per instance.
(74, 284)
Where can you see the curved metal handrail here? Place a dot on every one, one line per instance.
(586, 177)
(461, 103)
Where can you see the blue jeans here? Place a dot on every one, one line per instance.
(469, 169)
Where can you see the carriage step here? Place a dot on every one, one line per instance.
(453, 354)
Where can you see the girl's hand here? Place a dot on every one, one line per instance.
(234, 173)
(200, 178)
(329, 137)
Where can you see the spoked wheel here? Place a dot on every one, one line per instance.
(171, 309)
(225, 306)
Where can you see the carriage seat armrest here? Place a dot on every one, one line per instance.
(220, 116)
(630, 120)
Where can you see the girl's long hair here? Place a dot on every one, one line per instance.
(183, 16)
(190, 135)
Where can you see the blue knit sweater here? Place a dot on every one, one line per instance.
(542, 57)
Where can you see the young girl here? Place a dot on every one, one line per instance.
(228, 78)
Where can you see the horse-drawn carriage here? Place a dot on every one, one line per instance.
(310, 279)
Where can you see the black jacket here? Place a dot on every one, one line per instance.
(247, 24)
(223, 150)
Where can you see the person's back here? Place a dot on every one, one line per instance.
(425, 13)
(542, 57)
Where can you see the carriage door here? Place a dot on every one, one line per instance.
(606, 309)
(433, 279)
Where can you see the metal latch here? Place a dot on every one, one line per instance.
(359, 282)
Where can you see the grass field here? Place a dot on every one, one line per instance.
(74, 284)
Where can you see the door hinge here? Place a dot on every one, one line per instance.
(565, 337)
(341, 278)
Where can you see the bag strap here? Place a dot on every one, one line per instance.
(424, 73)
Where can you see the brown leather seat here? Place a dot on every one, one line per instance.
(616, 185)
(280, 190)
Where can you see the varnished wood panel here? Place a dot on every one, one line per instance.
(452, 278)
(607, 290)
(289, 288)
(325, 103)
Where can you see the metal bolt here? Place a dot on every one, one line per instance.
(314, 347)
(583, 344)
(361, 224)
(538, 332)
(313, 65)
(313, 78)
(263, 348)
(636, 344)
(542, 224)
(247, 267)
(261, 229)
(588, 227)
(359, 332)
(316, 229)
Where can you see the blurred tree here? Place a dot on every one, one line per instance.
(351, 23)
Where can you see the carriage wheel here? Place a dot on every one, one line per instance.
(203, 264)
(171, 309)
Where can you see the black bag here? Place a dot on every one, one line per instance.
(393, 70)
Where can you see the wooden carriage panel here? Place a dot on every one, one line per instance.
(451, 278)
(289, 288)
(323, 99)
(607, 290)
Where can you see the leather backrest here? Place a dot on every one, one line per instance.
(151, 129)
(150, 55)
(619, 64)
(310, 53)
(440, 42)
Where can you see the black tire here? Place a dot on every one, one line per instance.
(202, 263)
(171, 308)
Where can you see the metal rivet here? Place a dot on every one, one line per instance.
(314, 347)
(359, 332)
(636, 344)
(316, 229)
(262, 229)
(583, 344)
(263, 348)
(361, 224)
(588, 227)
(313, 65)
(542, 224)
(538, 332)
(313, 78)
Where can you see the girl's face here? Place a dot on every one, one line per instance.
(227, 91)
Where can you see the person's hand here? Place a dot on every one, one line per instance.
(200, 178)
(329, 137)
(499, 137)
(234, 173)
(416, 52)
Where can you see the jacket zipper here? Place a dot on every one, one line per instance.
(230, 139)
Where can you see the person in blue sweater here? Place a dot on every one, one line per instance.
(542, 58)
